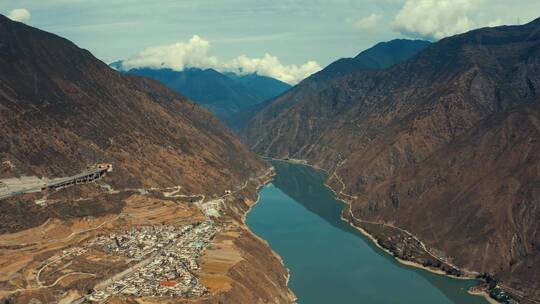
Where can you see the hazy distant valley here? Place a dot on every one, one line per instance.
(227, 95)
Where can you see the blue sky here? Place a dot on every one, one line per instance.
(291, 32)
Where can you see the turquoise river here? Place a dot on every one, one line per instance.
(331, 262)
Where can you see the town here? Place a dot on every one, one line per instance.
(166, 259)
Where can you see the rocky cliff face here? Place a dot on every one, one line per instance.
(62, 109)
(444, 145)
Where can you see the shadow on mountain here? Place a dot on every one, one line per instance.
(305, 185)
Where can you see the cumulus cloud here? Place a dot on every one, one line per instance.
(270, 66)
(195, 53)
(176, 56)
(19, 14)
(366, 23)
(435, 19)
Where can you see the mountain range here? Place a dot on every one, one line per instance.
(435, 147)
(381, 55)
(235, 99)
(224, 94)
(444, 146)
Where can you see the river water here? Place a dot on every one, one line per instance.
(330, 262)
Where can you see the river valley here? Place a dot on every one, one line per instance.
(330, 261)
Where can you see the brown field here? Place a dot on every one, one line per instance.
(55, 263)
(41, 249)
(217, 260)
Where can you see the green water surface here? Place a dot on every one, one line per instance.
(330, 262)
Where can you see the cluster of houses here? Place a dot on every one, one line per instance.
(212, 208)
(166, 261)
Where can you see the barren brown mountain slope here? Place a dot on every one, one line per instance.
(444, 145)
(62, 110)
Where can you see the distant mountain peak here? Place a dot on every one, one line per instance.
(381, 55)
(221, 93)
(535, 22)
(386, 54)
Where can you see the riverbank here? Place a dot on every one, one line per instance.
(482, 293)
(329, 261)
(412, 260)
(365, 233)
(243, 266)
(261, 184)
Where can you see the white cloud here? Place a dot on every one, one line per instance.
(366, 23)
(270, 66)
(196, 53)
(19, 14)
(435, 19)
(176, 56)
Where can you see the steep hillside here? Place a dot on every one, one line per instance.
(382, 55)
(62, 110)
(444, 145)
(238, 121)
(266, 88)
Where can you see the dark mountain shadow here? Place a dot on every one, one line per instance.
(305, 185)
